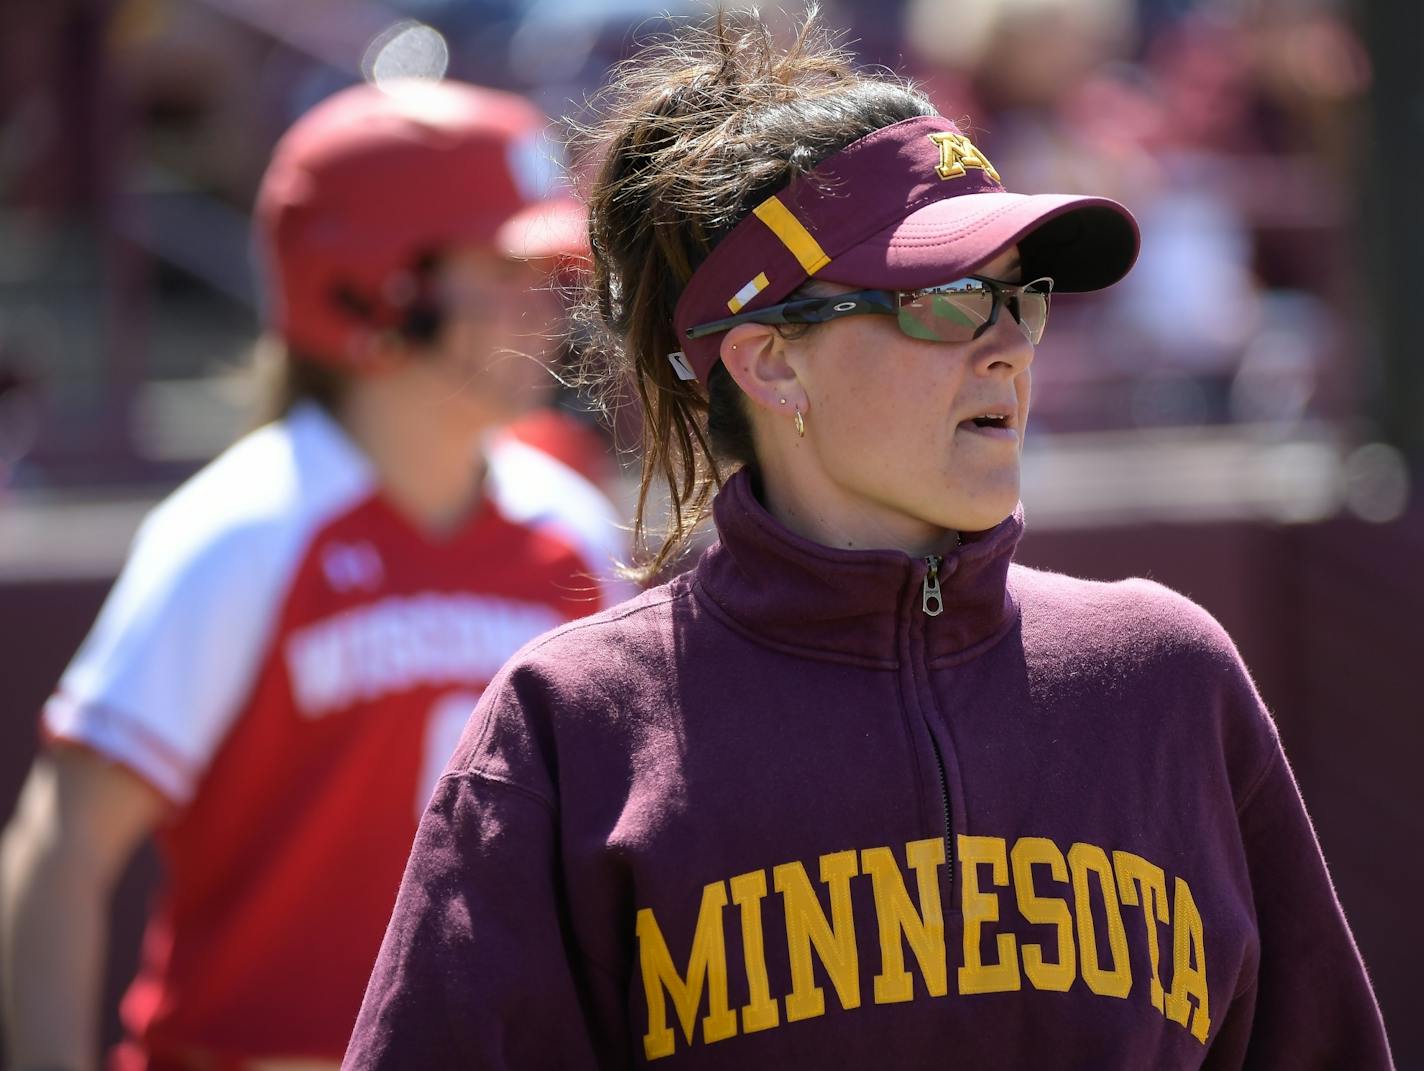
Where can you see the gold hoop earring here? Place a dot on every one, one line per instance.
(800, 424)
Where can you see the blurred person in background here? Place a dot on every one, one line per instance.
(859, 790)
(301, 630)
(1227, 131)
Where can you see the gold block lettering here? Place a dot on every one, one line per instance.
(806, 925)
(956, 152)
(761, 1011)
(706, 966)
(981, 907)
(898, 919)
(1085, 860)
(1188, 964)
(1134, 873)
(1044, 911)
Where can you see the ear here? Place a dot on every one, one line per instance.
(755, 356)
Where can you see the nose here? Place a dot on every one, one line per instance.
(1004, 349)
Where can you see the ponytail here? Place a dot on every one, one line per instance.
(697, 130)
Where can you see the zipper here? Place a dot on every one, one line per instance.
(930, 600)
(932, 604)
(948, 821)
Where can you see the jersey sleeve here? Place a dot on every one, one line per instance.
(1311, 1004)
(481, 965)
(475, 969)
(176, 648)
(172, 654)
(535, 489)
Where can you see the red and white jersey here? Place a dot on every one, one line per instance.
(290, 662)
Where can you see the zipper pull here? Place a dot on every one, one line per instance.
(930, 601)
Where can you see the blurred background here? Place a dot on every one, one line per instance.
(1242, 418)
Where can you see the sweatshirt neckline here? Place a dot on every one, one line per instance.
(852, 604)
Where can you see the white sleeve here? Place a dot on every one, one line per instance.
(533, 488)
(174, 654)
(171, 657)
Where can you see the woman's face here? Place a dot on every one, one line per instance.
(890, 423)
(499, 320)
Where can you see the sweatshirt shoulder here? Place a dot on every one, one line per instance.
(1138, 646)
(1136, 615)
(590, 676)
(600, 644)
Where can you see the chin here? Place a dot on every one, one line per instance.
(985, 514)
(982, 523)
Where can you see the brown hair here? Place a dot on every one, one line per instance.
(699, 128)
(285, 378)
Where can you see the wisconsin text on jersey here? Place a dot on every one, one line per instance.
(402, 642)
(1101, 883)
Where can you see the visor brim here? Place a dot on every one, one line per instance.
(1083, 243)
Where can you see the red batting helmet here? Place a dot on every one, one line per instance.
(372, 179)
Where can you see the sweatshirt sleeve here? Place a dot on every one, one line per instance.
(476, 967)
(1311, 1005)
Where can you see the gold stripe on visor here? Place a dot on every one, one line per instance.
(793, 234)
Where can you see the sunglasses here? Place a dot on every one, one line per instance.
(951, 312)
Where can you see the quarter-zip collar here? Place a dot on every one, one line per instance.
(847, 604)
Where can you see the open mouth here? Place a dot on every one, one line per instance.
(992, 426)
(991, 420)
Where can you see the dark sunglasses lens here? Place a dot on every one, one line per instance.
(959, 311)
(946, 317)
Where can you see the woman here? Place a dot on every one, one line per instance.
(857, 790)
(303, 628)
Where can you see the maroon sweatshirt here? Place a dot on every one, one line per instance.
(781, 813)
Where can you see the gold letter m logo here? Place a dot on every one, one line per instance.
(956, 152)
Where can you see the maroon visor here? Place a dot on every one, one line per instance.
(911, 205)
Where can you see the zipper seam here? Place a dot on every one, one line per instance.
(919, 665)
(948, 816)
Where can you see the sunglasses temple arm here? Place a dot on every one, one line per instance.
(808, 311)
(772, 315)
